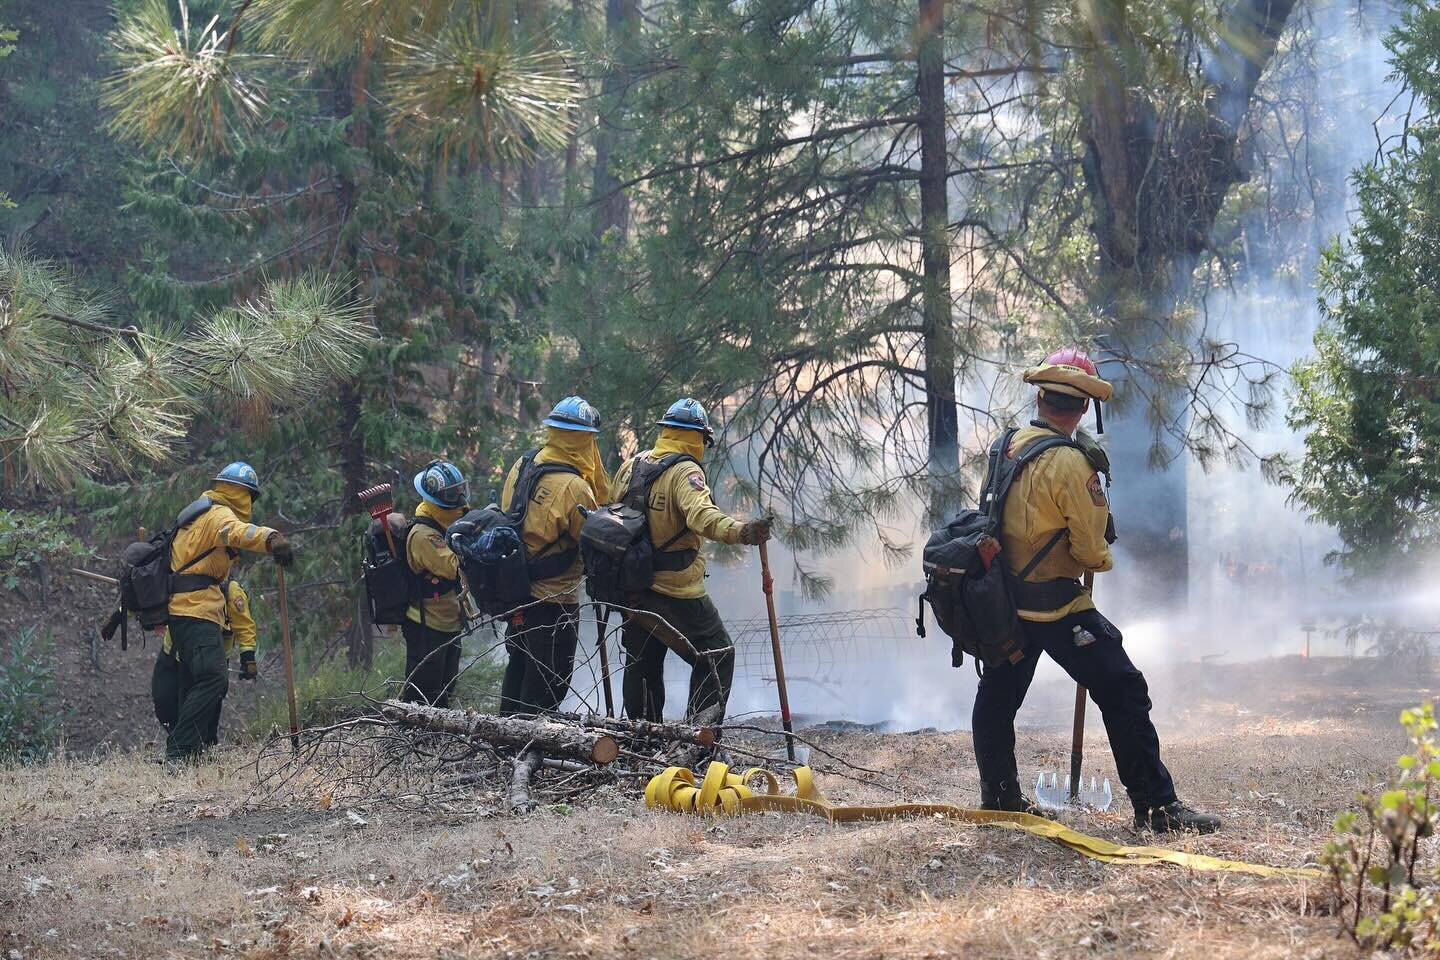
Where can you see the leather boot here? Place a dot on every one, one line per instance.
(1175, 817)
(1006, 795)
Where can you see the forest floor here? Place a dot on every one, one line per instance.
(115, 857)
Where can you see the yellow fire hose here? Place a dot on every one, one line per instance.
(724, 793)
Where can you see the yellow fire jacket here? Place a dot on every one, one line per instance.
(224, 530)
(552, 517)
(679, 501)
(1059, 490)
(238, 630)
(431, 557)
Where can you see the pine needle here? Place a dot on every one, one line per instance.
(470, 86)
(182, 89)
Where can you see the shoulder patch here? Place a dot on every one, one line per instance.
(1096, 490)
(239, 600)
(697, 481)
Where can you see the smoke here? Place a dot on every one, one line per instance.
(1259, 585)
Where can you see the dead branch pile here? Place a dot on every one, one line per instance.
(416, 756)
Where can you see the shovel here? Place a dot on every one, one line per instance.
(1049, 792)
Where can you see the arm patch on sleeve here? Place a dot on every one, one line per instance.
(697, 482)
(1097, 492)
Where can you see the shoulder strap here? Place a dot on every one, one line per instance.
(644, 474)
(430, 522)
(1019, 463)
(194, 511)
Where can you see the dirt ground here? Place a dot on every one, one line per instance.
(115, 857)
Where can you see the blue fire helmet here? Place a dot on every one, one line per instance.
(688, 414)
(573, 413)
(241, 474)
(442, 484)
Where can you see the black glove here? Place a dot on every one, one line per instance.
(248, 670)
(1110, 535)
(281, 550)
(756, 532)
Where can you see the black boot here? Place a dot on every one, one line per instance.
(1006, 796)
(1175, 817)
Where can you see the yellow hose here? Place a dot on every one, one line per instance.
(724, 793)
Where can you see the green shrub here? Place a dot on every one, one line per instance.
(1375, 859)
(30, 721)
(29, 539)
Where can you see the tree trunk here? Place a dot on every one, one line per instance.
(942, 416)
(1157, 176)
(612, 207)
(518, 733)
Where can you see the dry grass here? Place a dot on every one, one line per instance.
(116, 858)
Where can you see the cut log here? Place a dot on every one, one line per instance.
(519, 733)
(676, 732)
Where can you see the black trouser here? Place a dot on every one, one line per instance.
(644, 639)
(432, 662)
(1115, 684)
(540, 640)
(202, 684)
(165, 691)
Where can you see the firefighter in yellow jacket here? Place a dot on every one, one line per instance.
(682, 514)
(433, 622)
(209, 535)
(540, 638)
(1058, 510)
(170, 679)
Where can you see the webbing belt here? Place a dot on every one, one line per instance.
(722, 792)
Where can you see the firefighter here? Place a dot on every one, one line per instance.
(433, 621)
(168, 680)
(1060, 501)
(208, 538)
(682, 513)
(541, 637)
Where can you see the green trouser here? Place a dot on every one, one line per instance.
(166, 682)
(203, 684)
(432, 664)
(541, 642)
(646, 639)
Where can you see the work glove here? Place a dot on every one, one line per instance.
(755, 532)
(1099, 459)
(248, 670)
(1110, 535)
(281, 550)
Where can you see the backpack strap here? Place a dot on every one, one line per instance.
(180, 581)
(427, 585)
(637, 496)
(1028, 455)
(544, 564)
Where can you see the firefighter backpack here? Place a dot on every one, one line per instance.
(498, 570)
(620, 558)
(390, 585)
(147, 581)
(965, 582)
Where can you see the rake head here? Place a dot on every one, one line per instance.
(1053, 794)
(378, 500)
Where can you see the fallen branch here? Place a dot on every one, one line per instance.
(526, 764)
(548, 736)
(703, 736)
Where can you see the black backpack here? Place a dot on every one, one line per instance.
(973, 604)
(620, 558)
(147, 581)
(390, 585)
(491, 545)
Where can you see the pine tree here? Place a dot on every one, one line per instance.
(1368, 400)
(80, 396)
